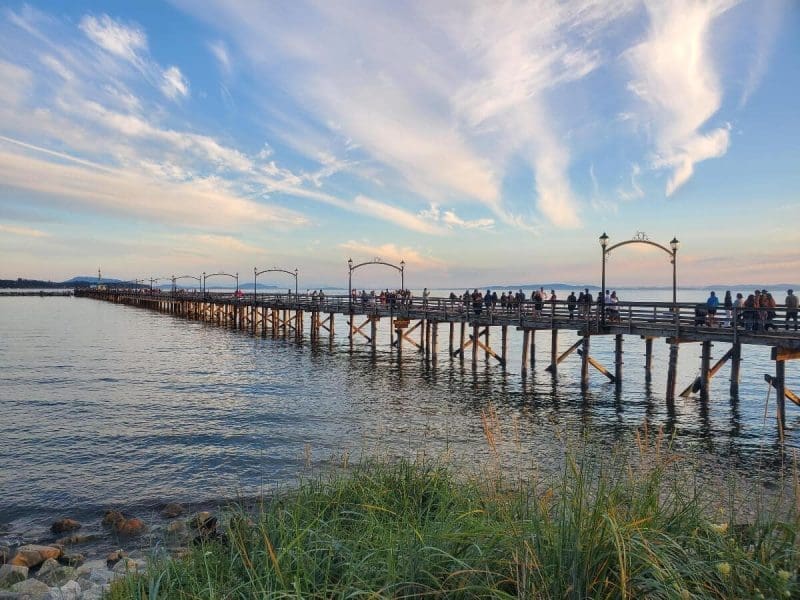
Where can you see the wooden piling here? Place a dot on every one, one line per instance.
(585, 362)
(533, 349)
(705, 368)
(452, 332)
(474, 346)
(524, 367)
(373, 333)
(463, 341)
(736, 363)
(504, 344)
(648, 358)
(618, 359)
(435, 342)
(672, 371)
(780, 388)
(554, 351)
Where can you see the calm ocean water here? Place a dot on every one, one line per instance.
(104, 406)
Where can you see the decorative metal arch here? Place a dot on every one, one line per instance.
(256, 273)
(232, 276)
(199, 280)
(641, 238)
(401, 268)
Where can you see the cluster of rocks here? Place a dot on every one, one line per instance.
(50, 572)
(37, 572)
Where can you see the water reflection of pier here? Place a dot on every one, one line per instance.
(418, 323)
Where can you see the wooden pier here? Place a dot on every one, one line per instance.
(415, 325)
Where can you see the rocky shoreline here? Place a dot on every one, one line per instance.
(58, 570)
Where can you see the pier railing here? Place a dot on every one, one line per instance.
(662, 318)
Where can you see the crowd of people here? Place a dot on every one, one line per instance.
(757, 312)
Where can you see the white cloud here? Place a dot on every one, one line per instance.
(16, 84)
(451, 220)
(444, 95)
(381, 210)
(391, 253)
(125, 41)
(220, 52)
(676, 79)
(634, 191)
(57, 67)
(206, 202)
(129, 43)
(23, 231)
(174, 84)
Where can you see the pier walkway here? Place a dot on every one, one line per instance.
(469, 329)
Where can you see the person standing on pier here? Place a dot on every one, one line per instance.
(571, 302)
(425, 295)
(771, 305)
(711, 305)
(791, 309)
(728, 303)
(477, 302)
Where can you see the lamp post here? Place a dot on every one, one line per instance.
(603, 246)
(204, 284)
(350, 284)
(402, 275)
(674, 243)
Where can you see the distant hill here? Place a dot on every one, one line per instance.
(29, 284)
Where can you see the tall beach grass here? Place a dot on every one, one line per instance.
(612, 527)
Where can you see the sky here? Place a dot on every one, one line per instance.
(479, 142)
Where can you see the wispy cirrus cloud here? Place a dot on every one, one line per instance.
(129, 43)
(477, 94)
(201, 202)
(678, 83)
(364, 251)
(450, 219)
(23, 231)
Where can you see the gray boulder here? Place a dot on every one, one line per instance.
(53, 573)
(69, 591)
(32, 589)
(11, 574)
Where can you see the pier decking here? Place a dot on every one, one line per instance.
(469, 329)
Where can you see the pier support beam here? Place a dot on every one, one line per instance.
(672, 371)
(474, 346)
(585, 362)
(463, 341)
(373, 333)
(736, 365)
(565, 354)
(618, 360)
(780, 387)
(524, 368)
(648, 358)
(504, 344)
(553, 351)
(435, 343)
(450, 348)
(705, 368)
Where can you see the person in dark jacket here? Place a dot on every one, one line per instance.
(571, 303)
